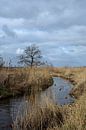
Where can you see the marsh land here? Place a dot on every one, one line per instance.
(24, 86)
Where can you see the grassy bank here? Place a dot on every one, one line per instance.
(74, 116)
(17, 81)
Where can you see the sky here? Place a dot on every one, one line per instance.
(58, 27)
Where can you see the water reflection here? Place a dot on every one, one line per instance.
(5, 115)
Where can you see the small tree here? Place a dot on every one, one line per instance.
(1, 62)
(31, 56)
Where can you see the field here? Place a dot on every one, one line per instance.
(47, 116)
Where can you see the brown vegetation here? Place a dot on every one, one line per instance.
(39, 117)
(21, 80)
(74, 116)
(48, 116)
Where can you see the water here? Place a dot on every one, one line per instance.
(58, 92)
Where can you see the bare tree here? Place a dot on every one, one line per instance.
(31, 56)
(1, 61)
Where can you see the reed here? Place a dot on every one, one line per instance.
(75, 118)
(22, 80)
(39, 117)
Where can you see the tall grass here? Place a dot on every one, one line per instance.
(47, 116)
(22, 80)
(76, 116)
(39, 117)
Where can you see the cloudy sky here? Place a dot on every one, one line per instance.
(58, 27)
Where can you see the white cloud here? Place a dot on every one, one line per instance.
(19, 51)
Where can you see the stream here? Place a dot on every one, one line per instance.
(58, 93)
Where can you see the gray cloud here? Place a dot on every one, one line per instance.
(8, 31)
(57, 26)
